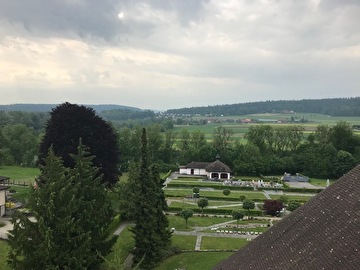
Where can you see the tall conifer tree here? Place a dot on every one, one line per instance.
(72, 216)
(151, 235)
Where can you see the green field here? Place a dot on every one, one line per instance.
(178, 222)
(184, 242)
(194, 260)
(121, 249)
(222, 243)
(240, 129)
(4, 250)
(293, 198)
(216, 193)
(19, 174)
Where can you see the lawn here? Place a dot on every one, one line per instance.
(121, 249)
(222, 243)
(259, 196)
(178, 222)
(21, 194)
(194, 260)
(19, 174)
(320, 182)
(184, 242)
(4, 250)
(293, 198)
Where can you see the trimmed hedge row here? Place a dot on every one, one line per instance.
(214, 211)
(304, 190)
(199, 185)
(221, 187)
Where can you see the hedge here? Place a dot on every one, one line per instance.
(214, 186)
(214, 211)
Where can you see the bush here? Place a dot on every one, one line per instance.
(293, 205)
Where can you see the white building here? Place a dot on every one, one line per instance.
(2, 200)
(213, 171)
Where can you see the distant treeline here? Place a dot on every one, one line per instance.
(333, 107)
(118, 115)
(35, 120)
(49, 107)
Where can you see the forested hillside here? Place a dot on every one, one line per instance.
(49, 107)
(333, 107)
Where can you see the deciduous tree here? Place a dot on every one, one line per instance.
(272, 207)
(248, 205)
(186, 214)
(237, 215)
(202, 203)
(70, 122)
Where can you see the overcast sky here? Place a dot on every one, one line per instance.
(165, 54)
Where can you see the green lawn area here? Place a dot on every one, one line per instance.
(293, 198)
(193, 203)
(178, 222)
(20, 174)
(222, 243)
(184, 242)
(121, 249)
(320, 182)
(21, 194)
(216, 193)
(188, 179)
(4, 250)
(194, 260)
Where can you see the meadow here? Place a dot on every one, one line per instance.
(240, 129)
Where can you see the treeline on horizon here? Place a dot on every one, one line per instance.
(332, 107)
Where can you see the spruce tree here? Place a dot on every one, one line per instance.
(71, 214)
(150, 232)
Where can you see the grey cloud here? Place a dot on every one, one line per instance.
(83, 18)
(89, 19)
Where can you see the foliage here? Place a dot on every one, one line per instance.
(242, 198)
(4, 250)
(272, 207)
(336, 106)
(152, 238)
(226, 192)
(248, 205)
(32, 120)
(186, 214)
(18, 145)
(202, 203)
(222, 141)
(293, 205)
(284, 199)
(70, 122)
(121, 249)
(71, 237)
(237, 215)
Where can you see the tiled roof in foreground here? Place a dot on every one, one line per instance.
(322, 234)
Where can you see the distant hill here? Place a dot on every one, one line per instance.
(333, 107)
(49, 107)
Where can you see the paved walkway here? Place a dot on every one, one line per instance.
(5, 229)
